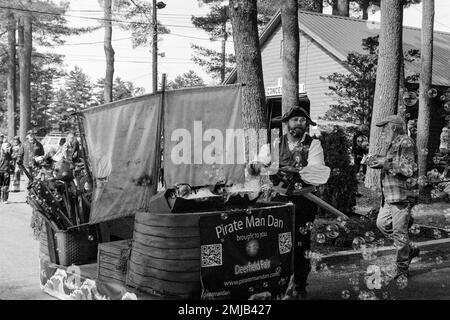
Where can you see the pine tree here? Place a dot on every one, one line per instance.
(79, 89)
(387, 84)
(187, 79)
(121, 90)
(216, 24)
(291, 51)
(243, 15)
(423, 120)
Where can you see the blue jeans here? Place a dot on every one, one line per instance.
(393, 220)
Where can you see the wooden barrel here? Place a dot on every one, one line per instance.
(165, 256)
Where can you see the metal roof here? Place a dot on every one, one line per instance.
(342, 35)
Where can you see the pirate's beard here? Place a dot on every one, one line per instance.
(297, 131)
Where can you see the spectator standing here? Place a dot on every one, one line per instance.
(32, 149)
(398, 167)
(17, 157)
(5, 170)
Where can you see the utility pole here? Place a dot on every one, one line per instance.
(155, 49)
(156, 6)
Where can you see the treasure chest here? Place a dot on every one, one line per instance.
(113, 260)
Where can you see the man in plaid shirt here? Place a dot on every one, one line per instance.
(398, 170)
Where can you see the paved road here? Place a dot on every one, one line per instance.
(19, 261)
(19, 268)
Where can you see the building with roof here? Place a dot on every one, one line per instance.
(325, 42)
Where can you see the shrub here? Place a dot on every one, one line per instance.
(340, 190)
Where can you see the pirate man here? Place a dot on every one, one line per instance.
(304, 154)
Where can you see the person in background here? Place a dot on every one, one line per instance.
(300, 151)
(398, 167)
(5, 170)
(32, 149)
(71, 149)
(17, 157)
(360, 147)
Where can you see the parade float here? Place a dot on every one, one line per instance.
(160, 207)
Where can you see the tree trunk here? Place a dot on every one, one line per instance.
(341, 8)
(387, 84)
(11, 79)
(401, 110)
(224, 47)
(25, 46)
(425, 82)
(291, 42)
(243, 15)
(109, 53)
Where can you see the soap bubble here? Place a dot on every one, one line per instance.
(332, 231)
(335, 171)
(368, 253)
(345, 294)
(309, 226)
(447, 106)
(354, 280)
(342, 222)
(323, 267)
(224, 216)
(422, 181)
(367, 295)
(415, 229)
(358, 242)
(439, 260)
(298, 186)
(320, 238)
(402, 282)
(432, 93)
(303, 230)
(411, 182)
(369, 236)
(437, 234)
(308, 254)
(410, 98)
(251, 289)
(91, 238)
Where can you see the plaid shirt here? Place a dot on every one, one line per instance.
(398, 177)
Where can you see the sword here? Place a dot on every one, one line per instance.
(306, 192)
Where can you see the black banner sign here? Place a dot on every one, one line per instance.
(247, 253)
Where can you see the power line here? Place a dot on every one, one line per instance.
(436, 21)
(84, 43)
(92, 18)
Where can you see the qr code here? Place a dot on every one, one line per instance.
(211, 255)
(285, 242)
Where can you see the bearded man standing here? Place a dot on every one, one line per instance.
(303, 153)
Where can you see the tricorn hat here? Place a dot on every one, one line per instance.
(295, 112)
